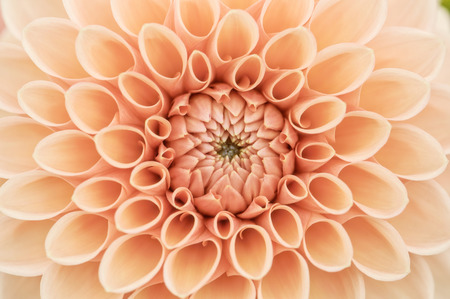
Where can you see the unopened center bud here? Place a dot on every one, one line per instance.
(229, 149)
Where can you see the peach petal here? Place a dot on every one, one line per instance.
(154, 291)
(18, 14)
(379, 251)
(257, 206)
(60, 59)
(410, 49)
(245, 73)
(151, 178)
(164, 54)
(181, 199)
(395, 94)
(22, 249)
(327, 245)
(283, 225)
(35, 195)
(13, 287)
(376, 191)
(435, 118)
(68, 152)
(283, 88)
(74, 282)
(143, 94)
(291, 49)
(291, 189)
(44, 101)
(327, 194)
(312, 153)
(278, 15)
(224, 287)
(209, 204)
(224, 225)
(347, 21)
(412, 153)
(240, 4)
(345, 284)
(250, 251)
(104, 54)
(346, 66)
(127, 264)
(199, 72)
(140, 213)
(77, 237)
(187, 269)
(181, 228)
(418, 284)
(157, 129)
(121, 146)
(317, 115)
(19, 137)
(17, 69)
(439, 265)
(424, 225)
(421, 14)
(165, 155)
(236, 36)
(287, 278)
(360, 135)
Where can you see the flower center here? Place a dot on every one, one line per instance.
(230, 148)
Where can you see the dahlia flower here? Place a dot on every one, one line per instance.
(224, 149)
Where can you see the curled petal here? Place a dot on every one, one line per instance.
(157, 129)
(345, 284)
(360, 135)
(13, 287)
(347, 21)
(127, 264)
(181, 228)
(199, 72)
(410, 49)
(395, 94)
(223, 225)
(74, 281)
(282, 88)
(35, 195)
(150, 177)
(154, 291)
(287, 278)
(257, 206)
(19, 137)
(346, 66)
(424, 225)
(245, 73)
(59, 60)
(250, 251)
(78, 237)
(225, 287)
(412, 153)
(181, 199)
(311, 153)
(22, 250)
(291, 189)
(379, 251)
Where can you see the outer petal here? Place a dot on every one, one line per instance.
(419, 13)
(13, 287)
(440, 268)
(226, 287)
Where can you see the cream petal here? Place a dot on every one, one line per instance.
(44, 101)
(346, 66)
(236, 36)
(420, 14)
(291, 189)
(104, 54)
(127, 264)
(288, 277)
(157, 129)
(376, 191)
(250, 252)
(60, 59)
(418, 284)
(282, 88)
(395, 94)
(199, 72)
(78, 237)
(424, 225)
(22, 249)
(360, 135)
(154, 291)
(35, 195)
(410, 49)
(19, 137)
(345, 284)
(283, 225)
(240, 4)
(412, 153)
(68, 152)
(440, 268)
(189, 268)
(435, 118)
(140, 213)
(224, 225)
(181, 228)
(151, 178)
(74, 282)
(379, 251)
(347, 21)
(13, 287)
(444, 178)
(143, 94)
(278, 15)
(246, 73)
(17, 69)
(290, 49)
(17, 14)
(224, 287)
(444, 74)
(311, 153)
(317, 115)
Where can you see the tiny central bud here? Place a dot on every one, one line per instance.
(229, 149)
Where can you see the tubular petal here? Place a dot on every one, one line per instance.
(345, 284)
(246, 73)
(291, 189)
(181, 228)
(311, 153)
(150, 177)
(223, 225)
(157, 129)
(226, 287)
(283, 88)
(199, 72)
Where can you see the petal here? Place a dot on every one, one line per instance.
(412, 153)
(157, 129)
(345, 284)
(278, 15)
(444, 178)
(154, 291)
(420, 14)
(150, 177)
(13, 287)
(282, 89)
(440, 269)
(239, 4)
(226, 287)
(199, 72)
(246, 73)
(224, 225)
(311, 153)
(291, 189)
(181, 228)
